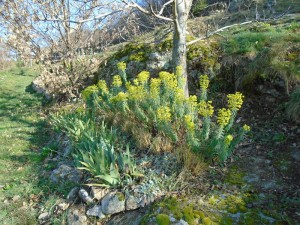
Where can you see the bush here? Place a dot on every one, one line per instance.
(157, 115)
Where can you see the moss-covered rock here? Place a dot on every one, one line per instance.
(163, 219)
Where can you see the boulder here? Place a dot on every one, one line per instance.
(96, 211)
(65, 173)
(113, 202)
(76, 218)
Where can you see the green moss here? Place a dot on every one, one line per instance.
(226, 221)
(188, 215)
(206, 221)
(163, 219)
(139, 57)
(135, 51)
(121, 196)
(235, 177)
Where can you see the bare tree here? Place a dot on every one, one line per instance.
(36, 25)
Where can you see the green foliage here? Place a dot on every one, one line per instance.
(157, 109)
(198, 6)
(204, 55)
(135, 52)
(163, 219)
(294, 26)
(293, 105)
(95, 151)
(263, 53)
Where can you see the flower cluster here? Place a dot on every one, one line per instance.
(205, 108)
(121, 66)
(103, 86)
(169, 80)
(164, 114)
(204, 82)
(235, 101)
(246, 128)
(143, 77)
(135, 92)
(189, 123)
(120, 97)
(88, 91)
(192, 100)
(228, 139)
(117, 81)
(223, 117)
(155, 87)
(179, 95)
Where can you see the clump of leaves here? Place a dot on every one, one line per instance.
(94, 150)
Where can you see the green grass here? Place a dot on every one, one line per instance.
(22, 133)
(263, 51)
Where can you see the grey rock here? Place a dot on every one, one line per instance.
(130, 218)
(98, 193)
(113, 202)
(65, 173)
(44, 216)
(84, 195)
(73, 194)
(172, 219)
(76, 218)
(1, 186)
(296, 154)
(155, 56)
(181, 222)
(96, 211)
(132, 202)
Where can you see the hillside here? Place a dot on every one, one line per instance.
(128, 147)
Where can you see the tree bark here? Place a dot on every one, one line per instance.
(181, 9)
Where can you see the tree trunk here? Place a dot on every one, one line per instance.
(181, 10)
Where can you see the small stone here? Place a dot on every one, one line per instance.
(172, 219)
(132, 202)
(181, 222)
(16, 198)
(84, 195)
(73, 194)
(63, 206)
(98, 193)
(1, 186)
(96, 211)
(44, 216)
(65, 173)
(113, 202)
(76, 218)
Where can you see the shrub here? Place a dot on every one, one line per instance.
(156, 109)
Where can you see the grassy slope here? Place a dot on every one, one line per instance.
(21, 134)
